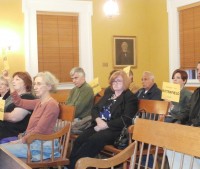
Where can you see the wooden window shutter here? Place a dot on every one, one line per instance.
(189, 25)
(58, 48)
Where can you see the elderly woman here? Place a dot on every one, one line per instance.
(4, 88)
(15, 118)
(45, 112)
(107, 119)
(179, 77)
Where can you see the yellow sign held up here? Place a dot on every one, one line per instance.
(2, 104)
(5, 63)
(171, 91)
(5, 59)
(127, 70)
(95, 85)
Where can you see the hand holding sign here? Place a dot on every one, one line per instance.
(2, 104)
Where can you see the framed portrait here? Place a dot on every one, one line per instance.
(124, 51)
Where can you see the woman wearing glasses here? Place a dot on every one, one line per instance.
(44, 116)
(107, 117)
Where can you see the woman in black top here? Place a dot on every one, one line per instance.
(16, 119)
(107, 117)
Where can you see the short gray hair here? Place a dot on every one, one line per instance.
(49, 79)
(78, 70)
(149, 74)
(4, 80)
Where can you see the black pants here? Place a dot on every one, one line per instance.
(90, 143)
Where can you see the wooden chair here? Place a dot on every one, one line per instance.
(181, 144)
(150, 109)
(171, 137)
(86, 162)
(62, 134)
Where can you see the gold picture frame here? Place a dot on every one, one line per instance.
(124, 51)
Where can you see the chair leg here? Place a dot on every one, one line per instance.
(125, 165)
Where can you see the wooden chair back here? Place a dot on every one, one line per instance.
(97, 98)
(62, 135)
(153, 109)
(173, 138)
(86, 162)
(149, 109)
(61, 95)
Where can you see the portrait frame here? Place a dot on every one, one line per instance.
(124, 51)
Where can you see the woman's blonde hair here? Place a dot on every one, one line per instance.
(126, 79)
(49, 79)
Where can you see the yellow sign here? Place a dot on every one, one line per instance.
(127, 70)
(171, 91)
(95, 85)
(2, 104)
(6, 65)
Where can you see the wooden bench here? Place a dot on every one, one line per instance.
(9, 161)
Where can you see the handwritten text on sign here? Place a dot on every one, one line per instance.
(171, 91)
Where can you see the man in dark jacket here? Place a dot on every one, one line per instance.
(150, 91)
(191, 115)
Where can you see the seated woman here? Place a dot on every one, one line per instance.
(15, 118)
(179, 77)
(44, 116)
(4, 88)
(107, 119)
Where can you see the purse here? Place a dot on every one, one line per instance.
(123, 140)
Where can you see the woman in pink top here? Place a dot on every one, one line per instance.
(45, 112)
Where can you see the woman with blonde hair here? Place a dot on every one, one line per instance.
(108, 117)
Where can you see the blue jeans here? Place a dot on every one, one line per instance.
(20, 150)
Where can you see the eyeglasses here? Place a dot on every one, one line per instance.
(3, 84)
(117, 81)
(38, 84)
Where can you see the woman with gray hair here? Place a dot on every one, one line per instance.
(4, 88)
(45, 112)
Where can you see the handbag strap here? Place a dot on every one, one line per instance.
(123, 121)
(135, 116)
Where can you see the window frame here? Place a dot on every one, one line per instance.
(84, 10)
(173, 25)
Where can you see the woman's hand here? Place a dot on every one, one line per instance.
(101, 125)
(9, 79)
(16, 142)
(5, 74)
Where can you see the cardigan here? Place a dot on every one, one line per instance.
(44, 115)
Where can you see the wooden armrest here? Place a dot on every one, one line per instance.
(121, 157)
(130, 129)
(43, 137)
